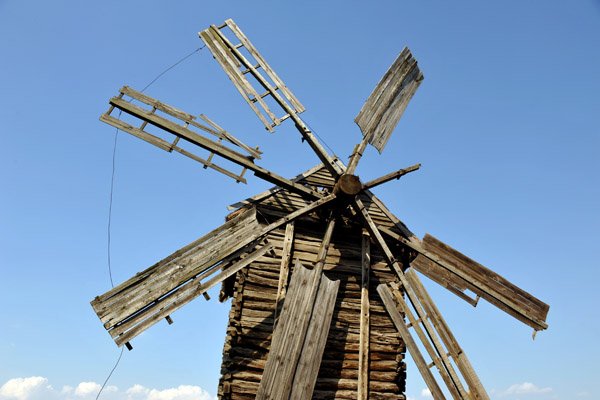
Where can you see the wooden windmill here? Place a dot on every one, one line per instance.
(321, 274)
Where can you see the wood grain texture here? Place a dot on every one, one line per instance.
(383, 109)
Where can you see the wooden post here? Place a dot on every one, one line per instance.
(284, 271)
(363, 350)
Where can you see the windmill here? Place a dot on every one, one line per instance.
(321, 274)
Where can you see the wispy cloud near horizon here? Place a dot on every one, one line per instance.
(38, 388)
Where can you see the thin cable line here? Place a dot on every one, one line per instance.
(172, 66)
(111, 372)
(112, 182)
(322, 140)
(112, 185)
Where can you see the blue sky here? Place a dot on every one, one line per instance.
(505, 124)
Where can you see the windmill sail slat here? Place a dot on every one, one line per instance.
(202, 241)
(411, 345)
(144, 288)
(232, 57)
(443, 277)
(382, 110)
(210, 145)
(479, 272)
(167, 109)
(194, 291)
(265, 66)
(476, 389)
(466, 273)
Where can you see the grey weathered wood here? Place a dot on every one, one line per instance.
(288, 338)
(432, 344)
(411, 345)
(264, 65)
(212, 146)
(306, 133)
(363, 352)
(390, 176)
(311, 355)
(383, 109)
(163, 144)
(476, 389)
(194, 292)
(232, 72)
(286, 255)
(276, 189)
(254, 152)
(155, 103)
(518, 303)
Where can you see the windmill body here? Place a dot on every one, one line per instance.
(321, 274)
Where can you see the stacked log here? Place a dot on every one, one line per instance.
(253, 313)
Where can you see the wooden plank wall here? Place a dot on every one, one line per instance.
(250, 327)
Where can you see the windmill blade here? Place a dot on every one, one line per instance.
(138, 303)
(457, 272)
(183, 131)
(435, 348)
(382, 110)
(238, 67)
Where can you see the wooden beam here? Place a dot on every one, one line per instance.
(390, 176)
(476, 389)
(306, 133)
(212, 146)
(286, 254)
(363, 351)
(411, 345)
(482, 281)
(289, 337)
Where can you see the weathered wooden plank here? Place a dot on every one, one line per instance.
(363, 355)
(393, 175)
(382, 110)
(229, 54)
(285, 266)
(212, 41)
(478, 272)
(476, 389)
(155, 103)
(276, 189)
(314, 342)
(433, 347)
(212, 146)
(132, 130)
(306, 133)
(254, 152)
(196, 290)
(243, 220)
(487, 288)
(299, 108)
(389, 304)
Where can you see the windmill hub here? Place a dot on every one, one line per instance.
(348, 185)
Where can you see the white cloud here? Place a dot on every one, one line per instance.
(25, 388)
(37, 388)
(426, 393)
(524, 388)
(86, 388)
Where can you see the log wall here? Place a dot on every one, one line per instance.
(251, 318)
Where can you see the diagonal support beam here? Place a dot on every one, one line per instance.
(411, 345)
